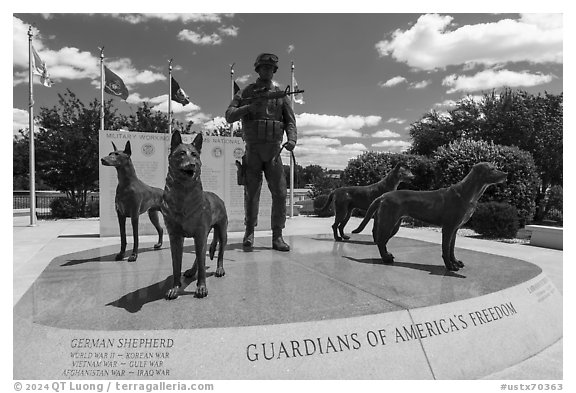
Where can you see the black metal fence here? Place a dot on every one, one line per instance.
(21, 201)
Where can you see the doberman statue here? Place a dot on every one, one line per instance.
(449, 208)
(349, 198)
(133, 198)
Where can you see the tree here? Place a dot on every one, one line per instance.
(298, 173)
(371, 167)
(219, 127)
(147, 120)
(312, 173)
(67, 146)
(430, 132)
(453, 162)
(530, 122)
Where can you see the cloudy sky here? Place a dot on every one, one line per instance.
(366, 76)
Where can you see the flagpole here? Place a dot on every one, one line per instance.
(232, 93)
(170, 97)
(33, 221)
(291, 156)
(232, 80)
(101, 88)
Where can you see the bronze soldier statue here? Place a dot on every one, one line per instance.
(264, 118)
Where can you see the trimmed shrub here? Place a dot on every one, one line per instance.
(319, 202)
(93, 208)
(307, 206)
(453, 162)
(63, 208)
(555, 215)
(555, 199)
(495, 220)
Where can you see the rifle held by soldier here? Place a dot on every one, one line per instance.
(269, 95)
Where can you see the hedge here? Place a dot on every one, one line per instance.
(495, 220)
(371, 167)
(454, 161)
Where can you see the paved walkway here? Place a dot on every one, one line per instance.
(35, 247)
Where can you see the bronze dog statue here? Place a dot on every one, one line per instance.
(349, 198)
(133, 197)
(191, 212)
(448, 207)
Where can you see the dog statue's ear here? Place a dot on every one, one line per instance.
(197, 142)
(114, 146)
(176, 141)
(127, 149)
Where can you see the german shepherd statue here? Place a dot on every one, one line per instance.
(191, 212)
(349, 198)
(449, 208)
(133, 198)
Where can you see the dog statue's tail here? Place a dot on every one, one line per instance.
(369, 213)
(328, 202)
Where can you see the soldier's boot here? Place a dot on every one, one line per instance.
(248, 241)
(277, 242)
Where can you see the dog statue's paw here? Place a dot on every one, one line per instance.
(132, 258)
(119, 256)
(345, 237)
(157, 246)
(458, 263)
(173, 293)
(220, 272)
(388, 258)
(190, 273)
(201, 291)
(452, 267)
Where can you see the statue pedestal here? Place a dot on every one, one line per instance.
(325, 310)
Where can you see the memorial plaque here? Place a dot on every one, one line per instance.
(150, 159)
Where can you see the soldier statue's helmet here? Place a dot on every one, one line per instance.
(266, 58)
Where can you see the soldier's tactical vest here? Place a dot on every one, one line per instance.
(265, 126)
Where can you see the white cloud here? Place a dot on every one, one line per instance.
(217, 122)
(198, 117)
(333, 156)
(385, 134)
(171, 17)
(230, 31)
(396, 120)
(420, 85)
(160, 103)
(353, 122)
(199, 39)
(392, 81)
(393, 146)
(544, 21)
(336, 132)
(20, 120)
(446, 104)
(491, 79)
(429, 44)
(243, 78)
(318, 141)
(72, 64)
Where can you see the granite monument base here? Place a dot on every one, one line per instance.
(325, 310)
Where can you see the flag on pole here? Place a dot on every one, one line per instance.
(39, 68)
(236, 87)
(178, 94)
(114, 85)
(298, 98)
